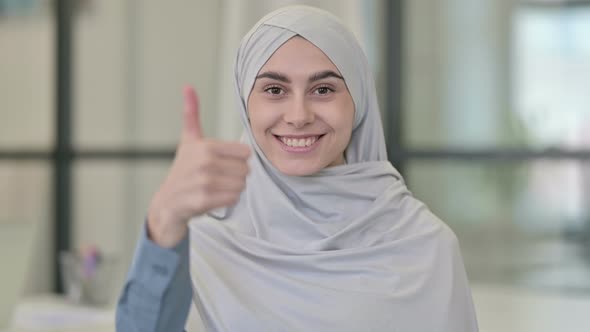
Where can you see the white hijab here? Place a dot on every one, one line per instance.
(346, 249)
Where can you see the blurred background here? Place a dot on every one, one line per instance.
(485, 103)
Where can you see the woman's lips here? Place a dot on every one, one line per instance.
(299, 143)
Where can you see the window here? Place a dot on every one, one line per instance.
(491, 131)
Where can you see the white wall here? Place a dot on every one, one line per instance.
(457, 69)
(26, 118)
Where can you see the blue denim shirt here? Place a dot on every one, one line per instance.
(158, 292)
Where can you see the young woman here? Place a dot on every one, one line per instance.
(305, 225)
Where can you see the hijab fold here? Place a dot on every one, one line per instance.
(346, 249)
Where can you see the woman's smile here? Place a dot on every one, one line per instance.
(298, 143)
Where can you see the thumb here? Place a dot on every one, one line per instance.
(191, 128)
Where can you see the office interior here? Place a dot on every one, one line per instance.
(485, 104)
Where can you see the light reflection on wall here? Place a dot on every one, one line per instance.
(551, 57)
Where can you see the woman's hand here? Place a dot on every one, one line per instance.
(206, 174)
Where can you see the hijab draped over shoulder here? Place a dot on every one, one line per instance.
(346, 249)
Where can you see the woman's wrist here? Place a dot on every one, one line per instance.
(163, 231)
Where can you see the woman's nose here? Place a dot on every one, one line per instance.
(299, 114)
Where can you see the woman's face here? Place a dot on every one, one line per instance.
(300, 110)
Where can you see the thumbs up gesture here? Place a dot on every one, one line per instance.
(206, 174)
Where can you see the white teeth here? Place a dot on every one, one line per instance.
(293, 142)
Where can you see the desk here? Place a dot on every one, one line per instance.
(52, 313)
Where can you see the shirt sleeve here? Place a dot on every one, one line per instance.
(157, 292)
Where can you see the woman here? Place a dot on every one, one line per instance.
(313, 230)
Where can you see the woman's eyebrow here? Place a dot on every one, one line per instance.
(324, 74)
(275, 76)
(315, 77)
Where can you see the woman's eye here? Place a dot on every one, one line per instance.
(274, 90)
(323, 90)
